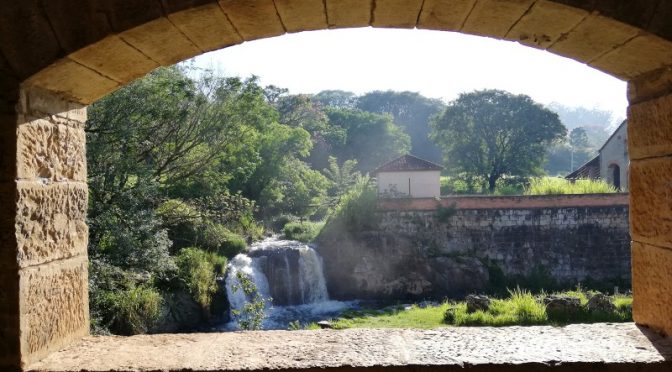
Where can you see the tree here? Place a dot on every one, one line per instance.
(371, 139)
(336, 98)
(412, 112)
(492, 133)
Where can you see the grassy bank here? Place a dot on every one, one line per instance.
(520, 308)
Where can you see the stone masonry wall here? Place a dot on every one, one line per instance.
(438, 250)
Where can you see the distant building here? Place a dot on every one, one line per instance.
(409, 177)
(612, 162)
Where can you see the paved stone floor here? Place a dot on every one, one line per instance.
(597, 347)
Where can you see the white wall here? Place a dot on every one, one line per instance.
(424, 184)
(616, 152)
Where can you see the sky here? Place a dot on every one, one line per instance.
(436, 64)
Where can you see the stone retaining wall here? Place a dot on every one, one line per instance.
(435, 248)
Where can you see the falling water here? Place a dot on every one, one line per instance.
(290, 274)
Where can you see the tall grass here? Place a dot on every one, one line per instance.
(305, 231)
(559, 186)
(521, 308)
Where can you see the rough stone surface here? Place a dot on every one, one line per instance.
(254, 19)
(54, 306)
(348, 13)
(600, 303)
(206, 26)
(495, 17)
(445, 14)
(593, 37)
(302, 15)
(649, 129)
(651, 201)
(396, 13)
(640, 55)
(38, 103)
(50, 222)
(651, 85)
(534, 28)
(51, 152)
(571, 348)
(476, 303)
(70, 80)
(651, 286)
(415, 254)
(161, 41)
(114, 58)
(562, 304)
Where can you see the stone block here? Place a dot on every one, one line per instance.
(640, 55)
(254, 19)
(50, 222)
(161, 41)
(651, 201)
(74, 32)
(302, 15)
(54, 306)
(545, 23)
(650, 85)
(50, 152)
(26, 37)
(114, 58)
(650, 128)
(126, 14)
(495, 17)
(36, 102)
(73, 82)
(396, 13)
(348, 13)
(447, 15)
(652, 286)
(207, 26)
(593, 37)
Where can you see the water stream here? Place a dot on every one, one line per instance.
(290, 274)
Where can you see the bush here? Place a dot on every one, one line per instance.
(217, 238)
(303, 231)
(199, 270)
(134, 310)
(559, 186)
(356, 209)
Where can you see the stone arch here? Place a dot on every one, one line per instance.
(58, 56)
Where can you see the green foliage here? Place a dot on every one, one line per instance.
(415, 317)
(410, 111)
(493, 133)
(217, 238)
(134, 310)
(305, 231)
(252, 314)
(557, 186)
(341, 177)
(198, 270)
(444, 214)
(355, 211)
(521, 308)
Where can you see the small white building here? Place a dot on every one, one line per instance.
(408, 177)
(612, 162)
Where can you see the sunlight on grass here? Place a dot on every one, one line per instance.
(559, 186)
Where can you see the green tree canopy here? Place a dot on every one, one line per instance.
(492, 133)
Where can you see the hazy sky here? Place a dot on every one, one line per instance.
(434, 63)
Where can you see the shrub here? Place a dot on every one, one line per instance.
(198, 270)
(356, 209)
(134, 310)
(303, 231)
(558, 186)
(214, 237)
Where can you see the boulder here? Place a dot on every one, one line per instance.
(600, 303)
(477, 302)
(325, 324)
(562, 305)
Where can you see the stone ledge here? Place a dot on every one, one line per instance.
(604, 346)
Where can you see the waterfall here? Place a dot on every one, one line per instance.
(289, 274)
